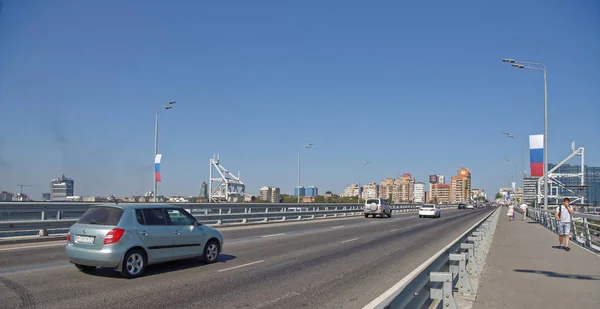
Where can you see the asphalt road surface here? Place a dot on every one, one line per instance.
(332, 263)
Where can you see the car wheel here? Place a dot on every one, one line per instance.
(211, 252)
(420, 216)
(366, 215)
(389, 215)
(134, 263)
(85, 267)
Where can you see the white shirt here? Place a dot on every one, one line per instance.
(523, 206)
(565, 215)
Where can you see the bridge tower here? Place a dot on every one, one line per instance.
(557, 189)
(228, 188)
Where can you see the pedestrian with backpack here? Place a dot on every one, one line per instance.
(563, 216)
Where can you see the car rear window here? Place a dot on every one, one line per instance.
(102, 216)
(371, 201)
(427, 206)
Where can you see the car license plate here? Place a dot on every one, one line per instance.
(84, 239)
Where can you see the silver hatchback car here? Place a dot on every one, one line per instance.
(128, 237)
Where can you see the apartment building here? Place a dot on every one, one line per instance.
(461, 186)
(270, 194)
(440, 193)
(371, 190)
(478, 194)
(351, 190)
(386, 188)
(419, 193)
(530, 190)
(407, 187)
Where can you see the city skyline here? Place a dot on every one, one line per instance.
(375, 189)
(291, 192)
(435, 87)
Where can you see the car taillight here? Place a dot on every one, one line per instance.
(69, 235)
(113, 236)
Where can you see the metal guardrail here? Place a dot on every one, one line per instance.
(457, 266)
(43, 217)
(585, 228)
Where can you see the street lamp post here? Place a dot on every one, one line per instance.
(514, 171)
(513, 177)
(305, 147)
(158, 111)
(359, 177)
(539, 67)
(513, 136)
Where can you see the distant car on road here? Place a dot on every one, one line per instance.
(470, 206)
(129, 237)
(462, 206)
(377, 206)
(429, 210)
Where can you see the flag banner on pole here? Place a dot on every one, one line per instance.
(157, 167)
(536, 155)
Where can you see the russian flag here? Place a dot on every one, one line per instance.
(157, 167)
(536, 155)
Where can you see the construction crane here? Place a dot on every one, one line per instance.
(22, 187)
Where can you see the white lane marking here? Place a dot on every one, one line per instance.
(33, 247)
(393, 230)
(373, 222)
(349, 240)
(243, 265)
(337, 227)
(273, 235)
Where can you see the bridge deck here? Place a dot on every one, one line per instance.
(523, 270)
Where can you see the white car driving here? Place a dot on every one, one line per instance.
(429, 210)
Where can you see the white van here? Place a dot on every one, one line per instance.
(377, 206)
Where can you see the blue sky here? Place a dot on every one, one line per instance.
(410, 86)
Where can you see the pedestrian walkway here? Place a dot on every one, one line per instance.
(523, 269)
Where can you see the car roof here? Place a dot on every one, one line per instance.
(136, 205)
